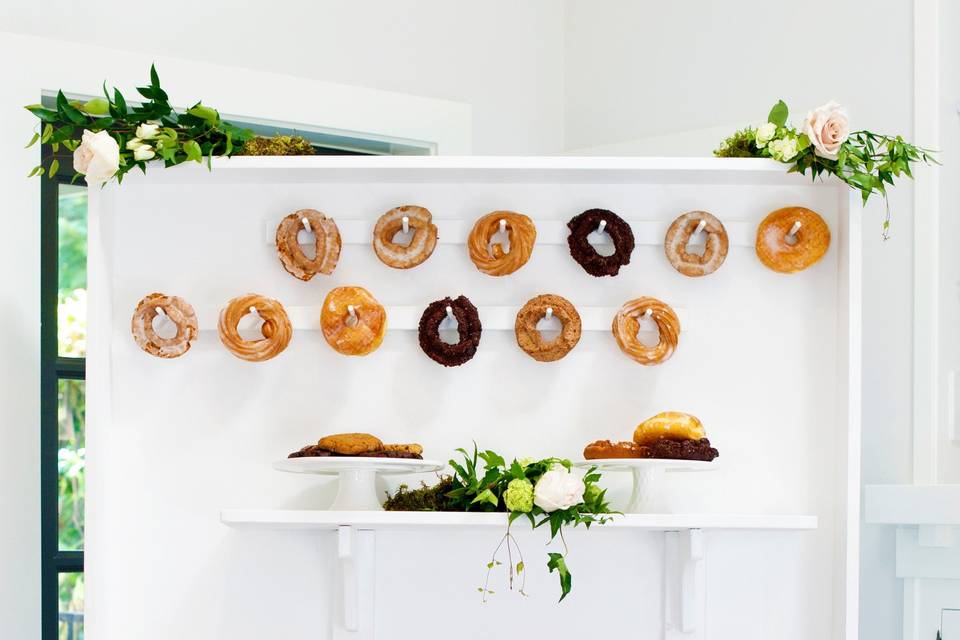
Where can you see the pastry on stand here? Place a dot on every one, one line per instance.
(357, 458)
(669, 441)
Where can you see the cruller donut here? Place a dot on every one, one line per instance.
(352, 321)
(586, 255)
(626, 324)
(679, 234)
(276, 328)
(469, 330)
(178, 311)
(326, 242)
(791, 239)
(531, 340)
(421, 245)
(493, 260)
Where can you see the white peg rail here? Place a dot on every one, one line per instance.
(455, 231)
(407, 318)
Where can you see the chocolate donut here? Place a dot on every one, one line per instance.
(586, 255)
(468, 328)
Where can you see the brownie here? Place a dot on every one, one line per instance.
(683, 450)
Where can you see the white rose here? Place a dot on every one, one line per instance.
(143, 152)
(784, 149)
(827, 127)
(148, 131)
(133, 145)
(97, 157)
(765, 133)
(558, 489)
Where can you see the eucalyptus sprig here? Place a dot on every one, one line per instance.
(866, 161)
(140, 133)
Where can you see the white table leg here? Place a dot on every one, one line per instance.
(357, 492)
(353, 600)
(684, 595)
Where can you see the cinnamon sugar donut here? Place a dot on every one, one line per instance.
(356, 334)
(493, 260)
(626, 324)
(529, 337)
(421, 245)
(582, 225)
(178, 311)
(276, 328)
(809, 242)
(326, 240)
(679, 234)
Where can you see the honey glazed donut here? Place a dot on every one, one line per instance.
(276, 329)
(421, 245)
(352, 321)
(178, 311)
(531, 340)
(469, 330)
(679, 234)
(493, 260)
(626, 324)
(791, 239)
(582, 225)
(326, 242)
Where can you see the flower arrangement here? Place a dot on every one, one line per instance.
(823, 143)
(546, 492)
(108, 138)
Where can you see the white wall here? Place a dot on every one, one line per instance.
(638, 72)
(503, 58)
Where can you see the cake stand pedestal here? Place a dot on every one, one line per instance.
(648, 474)
(358, 476)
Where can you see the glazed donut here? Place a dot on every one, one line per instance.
(679, 234)
(326, 240)
(528, 336)
(493, 261)
(468, 329)
(353, 334)
(671, 425)
(606, 450)
(178, 311)
(421, 245)
(586, 255)
(626, 324)
(276, 328)
(810, 239)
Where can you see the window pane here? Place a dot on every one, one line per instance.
(71, 606)
(70, 462)
(72, 276)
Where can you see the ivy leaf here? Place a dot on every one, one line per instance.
(47, 132)
(208, 115)
(33, 140)
(778, 114)
(192, 149)
(556, 562)
(486, 496)
(54, 167)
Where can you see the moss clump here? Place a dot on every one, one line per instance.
(426, 498)
(277, 146)
(742, 144)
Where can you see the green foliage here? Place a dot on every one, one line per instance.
(866, 161)
(193, 135)
(483, 481)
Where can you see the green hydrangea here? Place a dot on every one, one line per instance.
(519, 495)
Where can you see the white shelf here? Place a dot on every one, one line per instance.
(387, 520)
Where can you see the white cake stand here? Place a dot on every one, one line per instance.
(647, 475)
(358, 476)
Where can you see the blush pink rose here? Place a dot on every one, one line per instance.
(827, 127)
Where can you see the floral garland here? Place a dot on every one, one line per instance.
(864, 160)
(545, 491)
(108, 138)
